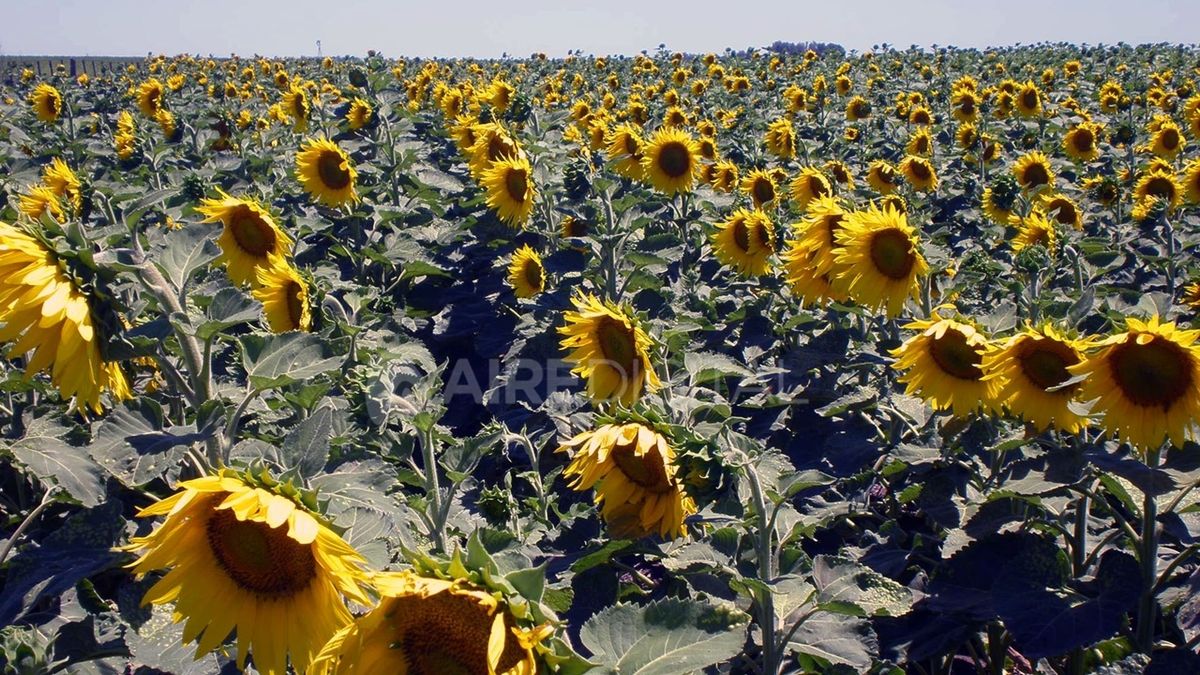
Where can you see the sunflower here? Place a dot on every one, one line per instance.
(942, 365)
(1161, 185)
(1033, 171)
(808, 185)
(1030, 371)
(920, 116)
(510, 191)
(809, 260)
(1146, 382)
(920, 143)
(1029, 100)
(284, 296)
(967, 136)
(492, 143)
(780, 138)
(966, 105)
(624, 147)
(150, 97)
(857, 109)
(1035, 230)
(745, 241)
(760, 185)
(526, 274)
(250, 239)
(1064, 209)
(247, 559)
(840, 173)
(882, 177)
(359, 114)
(1167, 141)
(63, 182)
(43, 311)
(500, 95)
(1000, 199)
(432, 625)
(609, 349)
(47, 102)
(670, 162)
(41, 200)
(1082, 142)
(724, 175)
(879, 261)
(919, 173)
(297, 107)
(171, 130)
(1191, 181)
(326, 173)
(632, 469)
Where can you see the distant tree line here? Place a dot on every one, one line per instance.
(821, 48)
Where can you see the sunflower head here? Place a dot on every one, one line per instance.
(526, 274)
(609, 349)
(1035, 230)
(879, 259)
(1033, 172)
(882, 177)
(809, 185)
(671, 160)
(760, 186)
(942, 364)
(919, 173)
(247, 554)
(746, 242)
(47, 102)
(1032, 377)
(510, 191)
(284, 296)
(632, 469)
(326, 172)
(250, 239)
(1145, 382)
(359, 114)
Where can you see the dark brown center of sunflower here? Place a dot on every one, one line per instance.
(920, 117)
(763, 190)
(674, 159)
(1155, 374)
(1029, 98)
(1044, 363)
(295, 303)
(967, 106)
(1169, 138)
(955, 356)
(833, 222)
(497, 147)
(741, 235)
(619, 348)
(253, 235)
(892, 254)
(1064, 209)
(1035, 174)
(885, 175)
(1083, 140)
(919, 170)
(922, 144)
(1161, 186)
(676, 118)
(516, 182)
(575, 228)
(533, 274)
(644, 470)
(631, 145)
(447, 634)
(333, 171)
(817, 187)
(259, 558)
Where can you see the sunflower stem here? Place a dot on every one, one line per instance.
(1148, 552)
(762, 545)
(432, 490)
(28, 520)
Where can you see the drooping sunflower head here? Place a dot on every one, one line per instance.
(780, 138)
(671, 160)
(609, 349)
(723, 175)
(492, 143)
(297, 107)
(49, 320)
(1033, 171)
(150, 97)
(47, 102)
(326, 172)
(1146, 383)
(810, 184)
(1035, 229)
(632, 469)
(857, 109)
(250, 239)
(526, 274)
(760, 186)
(624, 146)
(42, 200)
(882, 176)
(745, 242)
(1031, 373)
(430, 624)
(942, 365)
(284, 296)
(1062, 209)
(63, 182)
(919, 173)
(510, 190)
(259, 562)
(879, 261)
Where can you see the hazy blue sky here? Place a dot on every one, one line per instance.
(520, 27)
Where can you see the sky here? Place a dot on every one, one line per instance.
(475, 28)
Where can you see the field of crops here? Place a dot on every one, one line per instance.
(756, 363)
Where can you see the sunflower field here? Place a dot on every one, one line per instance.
(756, 363)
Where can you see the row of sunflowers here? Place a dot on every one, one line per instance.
(875, 363)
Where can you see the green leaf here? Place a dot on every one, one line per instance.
(844, 585)
(55, 462)
(306, 448)
(836, 639)
(131, 446)
(666, 637)
(229, 307)
(186, 251)
(280, 360)
(708, 366)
